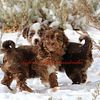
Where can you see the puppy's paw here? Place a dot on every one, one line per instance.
(55, 89)
(24, 88)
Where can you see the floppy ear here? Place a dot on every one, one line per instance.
(25, 32)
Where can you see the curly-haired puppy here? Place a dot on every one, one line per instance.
(52, 47)
(77, 60)
(20, 64)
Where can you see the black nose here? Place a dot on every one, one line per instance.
(36, 41)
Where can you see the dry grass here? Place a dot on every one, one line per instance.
(16, 13)
(96, 92)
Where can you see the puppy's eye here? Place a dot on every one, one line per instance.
(31, 34)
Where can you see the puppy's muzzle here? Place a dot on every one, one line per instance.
(36, 41)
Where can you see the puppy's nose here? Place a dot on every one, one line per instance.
(36, 41)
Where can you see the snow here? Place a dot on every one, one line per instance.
(72, 35)
(14, 37)
(36, 27)
(67, 91)
(94, 33)
(54, 24)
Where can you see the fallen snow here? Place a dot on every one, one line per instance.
(67, 90)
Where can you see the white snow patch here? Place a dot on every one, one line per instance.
(67, 90)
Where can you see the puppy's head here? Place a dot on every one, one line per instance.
(55, 41)
(31, 33)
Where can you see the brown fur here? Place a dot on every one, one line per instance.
(28, 34)
(54, 41)
(20, 64)
(52, 50)
(77, 60)
(52, 47)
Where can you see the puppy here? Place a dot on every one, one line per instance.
(20, 64)
(77, 59)
(52, 47)
(31, 33)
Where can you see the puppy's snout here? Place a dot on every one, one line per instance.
(36, 41)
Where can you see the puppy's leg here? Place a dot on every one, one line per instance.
(45, 78)
(84, 77)
(8, 78)
(53, 80)
(52, 77)
(43, 73)
(74, 75)
(21, 83)
(76, 78)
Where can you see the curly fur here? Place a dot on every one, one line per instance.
(77, 60)
(20, 64)
(52, 47)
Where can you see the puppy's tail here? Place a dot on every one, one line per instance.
(87, 46)
(8, 45)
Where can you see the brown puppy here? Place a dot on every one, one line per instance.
(20, 64)
(76, 57)
(77, 60)
(52, 47)
(33, 32)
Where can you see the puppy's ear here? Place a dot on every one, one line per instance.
(25, 32)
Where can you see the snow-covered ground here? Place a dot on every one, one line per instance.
(67, 91)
